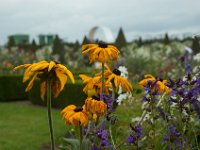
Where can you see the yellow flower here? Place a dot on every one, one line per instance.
(94, 85)
(74, 115)
(114, 76)
(100, 52)
(159, 84)
(57, 73)
(95, 106)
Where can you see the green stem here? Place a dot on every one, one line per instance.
(81, 137)
(102, 90)
(49, 113)
(113, 143)
(197, 145)
(143, 115)
(153, 123)
(113, 90)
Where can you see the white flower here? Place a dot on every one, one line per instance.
(198, 98)
(123, 70)
(197, 57)
(136, 119)
(122, 97)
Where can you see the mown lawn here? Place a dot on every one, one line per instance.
(24, 126)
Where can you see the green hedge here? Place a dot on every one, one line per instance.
(12, 88)
(72, 94)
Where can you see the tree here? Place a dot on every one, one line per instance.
(85, 40)
(33, 46)
(58, 48)
(140, 42)
(11, 42)
(166, 39)
(196, 45)
(120, 40)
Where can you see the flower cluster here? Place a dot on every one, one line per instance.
(173, 136)
(135, 135)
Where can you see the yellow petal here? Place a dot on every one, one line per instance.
(21, 66)
(70, 76)
(148, 76)
(40, 66)
(56, 86)
(66, 71)
(30, 85)
(43, 89)
(62, 78)
(51, 65)
(28, 73)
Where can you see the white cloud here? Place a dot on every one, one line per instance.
(72, 19)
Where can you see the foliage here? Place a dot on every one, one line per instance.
(12, 88)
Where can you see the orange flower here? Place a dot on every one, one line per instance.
(95, 106)
(159, 85)
(114, 76)
(94, 85)
(74, 115)
(100, 52)
(45, 71)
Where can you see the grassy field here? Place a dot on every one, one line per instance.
(24, 126)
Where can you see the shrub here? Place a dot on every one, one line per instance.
(12, 88)
(72, 94)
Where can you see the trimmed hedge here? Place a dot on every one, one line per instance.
(12, 88)
(72, 94)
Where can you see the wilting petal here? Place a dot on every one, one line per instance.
(51, 65)
(55, 87)
(43, 89)
(70, 76)
(62, 78)
(21, 66)
(40, 66)
(30, 85)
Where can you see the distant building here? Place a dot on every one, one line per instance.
(20, 39)
(46, 39)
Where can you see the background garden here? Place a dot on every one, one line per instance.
(23, 119)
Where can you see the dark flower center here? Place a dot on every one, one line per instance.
(117, 72)
(96, 98)
(102, 44)
(53, 59)
(78, 109)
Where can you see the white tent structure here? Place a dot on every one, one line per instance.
(107, 33)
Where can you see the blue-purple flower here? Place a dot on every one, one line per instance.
(136, 133)
(103, 135)
(173, 136)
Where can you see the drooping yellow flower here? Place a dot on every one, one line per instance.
(74, 115)
(95, 106)
(57, 73)
(101, 52)
(94, 85)
(114, 76)
(157, 84)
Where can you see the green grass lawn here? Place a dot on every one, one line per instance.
(24, 126)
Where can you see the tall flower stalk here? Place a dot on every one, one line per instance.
(81, 137)
(49, 113)
(102, 90)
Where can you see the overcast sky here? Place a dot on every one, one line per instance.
(72, 19)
